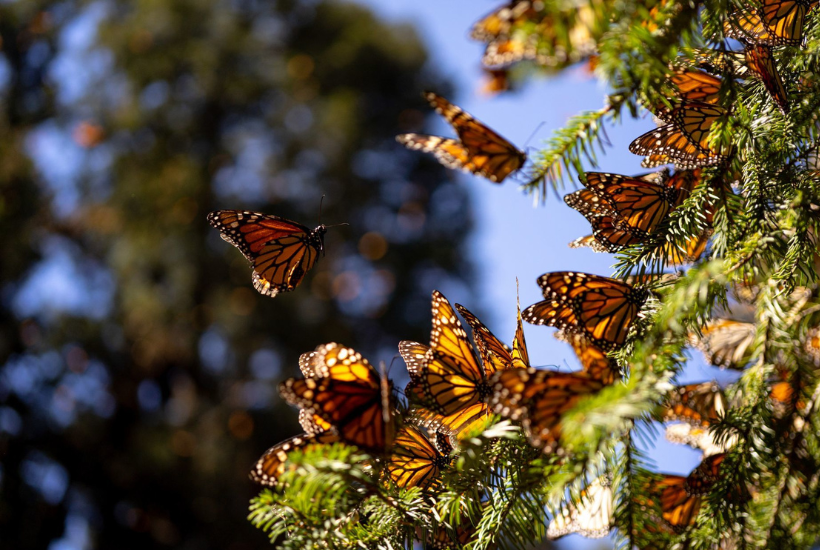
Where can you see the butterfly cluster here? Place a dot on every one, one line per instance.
(461, 383)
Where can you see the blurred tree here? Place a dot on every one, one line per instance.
(138, 364)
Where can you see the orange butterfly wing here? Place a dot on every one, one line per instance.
(281, 251)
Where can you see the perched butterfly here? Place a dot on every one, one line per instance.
(491, 349)
(774, 23)
(702, 478)
(695, 86)
(588, 241)
(691, 251)
(698, 404)
(641, 203)
(280, 251)
(726, 342)
(593, 359)
(478, 149)
(347, 394)
(415, 356)
(455, 384)
(811, 344)
(698, 438)
(684, 139)
(679, 507)
(602, 309)
(761, 61)
(272, 464)
(539, 399)
(499, 22)
(591, 518)
(414, 460)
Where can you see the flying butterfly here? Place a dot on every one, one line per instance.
(685, 139)
(600, 308)
(725, 342)
(415, 461)
(699, 404)
(593, 359)
(591, 518)
(774, 23)
(761, 61)
(281, 251)
(347, 394)
(478, 149)
(539, 399)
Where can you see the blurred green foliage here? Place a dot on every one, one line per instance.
(138, 364)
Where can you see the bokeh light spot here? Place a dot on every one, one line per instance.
(240, 425)
(373, 246)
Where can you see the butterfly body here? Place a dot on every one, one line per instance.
(478, 149)
(415, 461)
(281, 251)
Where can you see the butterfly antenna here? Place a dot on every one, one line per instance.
(532, 135)
(336, 225)
(320, 208)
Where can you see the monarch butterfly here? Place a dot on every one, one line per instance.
(811, 344)
(478, 149)
(500, 21)
(271, 465)
(640, 203)
(695, 86)
(598, 307)
(281, 251)
(702, 478)
(761, 61)
(592, 518)
(415, 461)
(775, 23)
(593, 359)
(698, 438)
(698, 404)
(588, 241)
(674, 255)
(725, 342)
(446, 428)
(684, 140)
(492, 351)
(347, 394)
(454, 382)
(679, 507)
(538, 399)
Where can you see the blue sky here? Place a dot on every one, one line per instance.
(514, 237)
